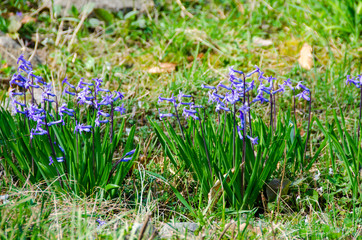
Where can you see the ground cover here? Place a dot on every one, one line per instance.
(174, 47)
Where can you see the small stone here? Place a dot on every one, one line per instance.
(179, 228)
(137, 227)
(272, 188)
(10, 51)
(110, 5)
(262, 42)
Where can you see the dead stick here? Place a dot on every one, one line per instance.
(226, 228)
(145, 223)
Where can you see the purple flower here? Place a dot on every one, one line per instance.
(301, 86)
(100, 222)
(251, 86)
(220, 97)
(38, 130)
(67, 92)
(190, 113)
(47, 91)
(221, 106)
(130, 153)
(50, 160)
(257, 70)
(25, 63)
(208, 87)
(34, 113)
(103, 114)
(270, 79)
(182, 95)
(232, 97)
(98, 122)
(59, 159)
(164, 115)
(212, 98)
(244, 108)
(81, 83)
(232, 70)
(260, 98)
(261, 77)
(288, 83)
(120, 109)
(83, 96)
(171, 99)
(305, 95)
(66, 82)
(81, 127)
(196, 106)
(239, 132)
(119, 96)
(106, 100)
(242, 119)
(55, 122)
(281, 89)
(98, 83)
(264, 89)
(186, 103)
(61, 149)
(254, 141)
(224, 86)
(63, 109)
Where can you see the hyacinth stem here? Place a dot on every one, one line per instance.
(32, 91)
(251, 130)
(308, 129)
(234, 128)
(179, 122)
(203, 137)
(24, 90)
(244, 143)
(218, 118)
(295, 117)
(271, 112)
(223, 131)
(76, 137)
(275, 112)
(111, 122)
(93, 156)
(52, 147)
(360, 113)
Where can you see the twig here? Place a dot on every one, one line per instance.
(35, 47)
(226, 228)
(360, 112)
(143, 229)
(183, 9)
(309, 120)
(84, 16)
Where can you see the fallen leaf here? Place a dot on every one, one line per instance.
(262, 42)
(27, 19)
(191, 58)
(306, 57)
(162, 68)
(14, 25)
(255, 230)
(217, 190)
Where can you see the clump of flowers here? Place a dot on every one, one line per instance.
(357, 82)
(53, 110)
(235, 137)
(234, 97)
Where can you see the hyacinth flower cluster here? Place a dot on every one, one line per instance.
(49, 111)
(357, 82)
(237, 97)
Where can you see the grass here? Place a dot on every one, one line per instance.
(220, 34)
